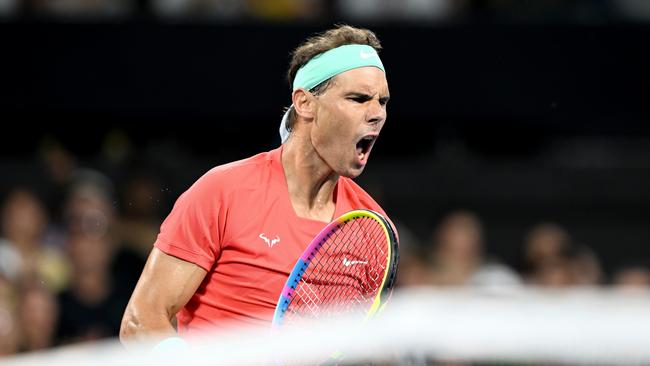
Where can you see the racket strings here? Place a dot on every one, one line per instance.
(330, 279)
(367, 235)
(344, 275)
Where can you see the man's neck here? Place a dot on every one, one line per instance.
(310, 180)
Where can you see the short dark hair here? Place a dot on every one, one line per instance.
(340, 35)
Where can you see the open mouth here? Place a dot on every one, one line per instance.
(364, 145)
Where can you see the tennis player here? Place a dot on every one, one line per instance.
(231, 240)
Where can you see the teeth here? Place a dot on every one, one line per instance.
(363, 146)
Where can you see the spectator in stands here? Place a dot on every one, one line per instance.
(414, 270)
(38, 314)
(553, 273)
(632, 277)
(458, 255)
(23, 253)
(9, 329)
(552, 260)
(586, 267)
(92, 306)
(544, 248)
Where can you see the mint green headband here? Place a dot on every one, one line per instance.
(334, 62)
(329, 64)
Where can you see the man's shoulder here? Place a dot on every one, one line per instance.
(241, 168)
(237, 174)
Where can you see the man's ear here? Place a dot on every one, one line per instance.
(304, 103)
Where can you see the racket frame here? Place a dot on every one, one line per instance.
(312, 249)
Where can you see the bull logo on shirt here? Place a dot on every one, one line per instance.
(270, 242)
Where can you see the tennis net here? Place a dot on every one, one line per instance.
(423, 327)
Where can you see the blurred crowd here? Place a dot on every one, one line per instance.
(456, 255)
(74, 240)
(307, 10)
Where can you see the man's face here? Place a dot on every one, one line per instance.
(349, 116)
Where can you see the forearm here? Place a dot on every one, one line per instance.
(165, 286)
(143, 323)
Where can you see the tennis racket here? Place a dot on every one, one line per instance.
(350, 266)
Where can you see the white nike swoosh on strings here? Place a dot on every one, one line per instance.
(367, 54)
(348, 263)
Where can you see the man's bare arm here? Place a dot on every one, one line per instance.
(166, 285)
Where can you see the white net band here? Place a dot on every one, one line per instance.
(584, 327)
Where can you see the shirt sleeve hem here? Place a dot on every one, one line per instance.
(184, 254)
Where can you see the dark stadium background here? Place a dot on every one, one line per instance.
(520, 119)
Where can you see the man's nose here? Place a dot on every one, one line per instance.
(376, 112)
